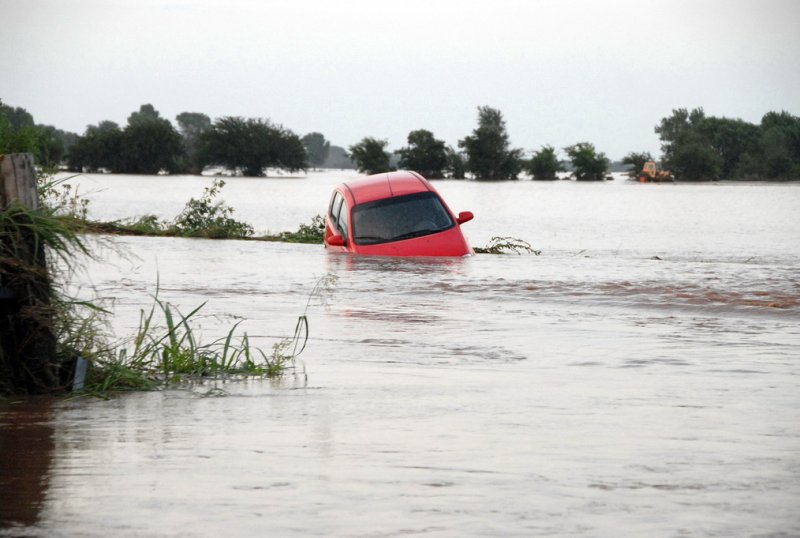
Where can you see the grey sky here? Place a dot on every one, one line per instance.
(561, 71)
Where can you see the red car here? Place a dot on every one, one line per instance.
(393, 214)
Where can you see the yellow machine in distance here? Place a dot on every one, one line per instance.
(650, 172)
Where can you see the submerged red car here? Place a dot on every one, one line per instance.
(393, 214)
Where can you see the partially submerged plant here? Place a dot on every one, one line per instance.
(211, 218)
(503, 245)
(61, 198)
(306, 233)
(173, 353)
(146, 225)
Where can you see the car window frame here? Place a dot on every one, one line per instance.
(334, 215)
(343, 209)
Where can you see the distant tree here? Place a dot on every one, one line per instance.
(317, 148)
(5, 130)
(587, 163)
(146, 113)
(147, 145)
(338, 158)
(249, 146)
(17, 117)
(544, 165)
(730, 139)
(150, 145)
(100, 147)
(777, 155)
(51, 148)
(19, 134)
(290, 153)
(687, 150)
(700, 147)
(369, 155)
(636, 161)
(456, 164)
(16, 136)
(424, 154)
(488, 149)
(192, 126)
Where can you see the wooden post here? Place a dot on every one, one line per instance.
(28, 361)
(18, 180)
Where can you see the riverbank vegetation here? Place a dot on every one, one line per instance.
(46, 333)
(206, 217)
(167, 348)
(695, 147)
(210, 218)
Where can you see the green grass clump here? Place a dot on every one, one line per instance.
(172, 353)
(32, 243)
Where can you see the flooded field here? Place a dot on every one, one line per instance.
(639, 378)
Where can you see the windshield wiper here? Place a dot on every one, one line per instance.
(410, 235)
(369, 238)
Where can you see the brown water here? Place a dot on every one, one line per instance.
(591, 391)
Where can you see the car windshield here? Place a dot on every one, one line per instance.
(401, 217)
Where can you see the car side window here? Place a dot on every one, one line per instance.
(336, 204)
(343, 219)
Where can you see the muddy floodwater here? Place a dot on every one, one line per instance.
(641, 377)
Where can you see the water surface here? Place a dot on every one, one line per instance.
(639, 378)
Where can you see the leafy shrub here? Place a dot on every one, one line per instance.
(306, 233)
(211, 218)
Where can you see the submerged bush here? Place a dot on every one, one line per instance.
(211, 218)
(306, 233)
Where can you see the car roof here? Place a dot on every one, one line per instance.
(380, 186)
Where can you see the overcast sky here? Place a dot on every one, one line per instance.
(561, 71)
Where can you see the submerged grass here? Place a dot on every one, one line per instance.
(167, 351)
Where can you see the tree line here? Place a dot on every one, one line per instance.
(485, 154)
(149, 144)
(694, 146)
(19, 134)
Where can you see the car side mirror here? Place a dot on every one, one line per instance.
(465, 216)
(336, 240)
